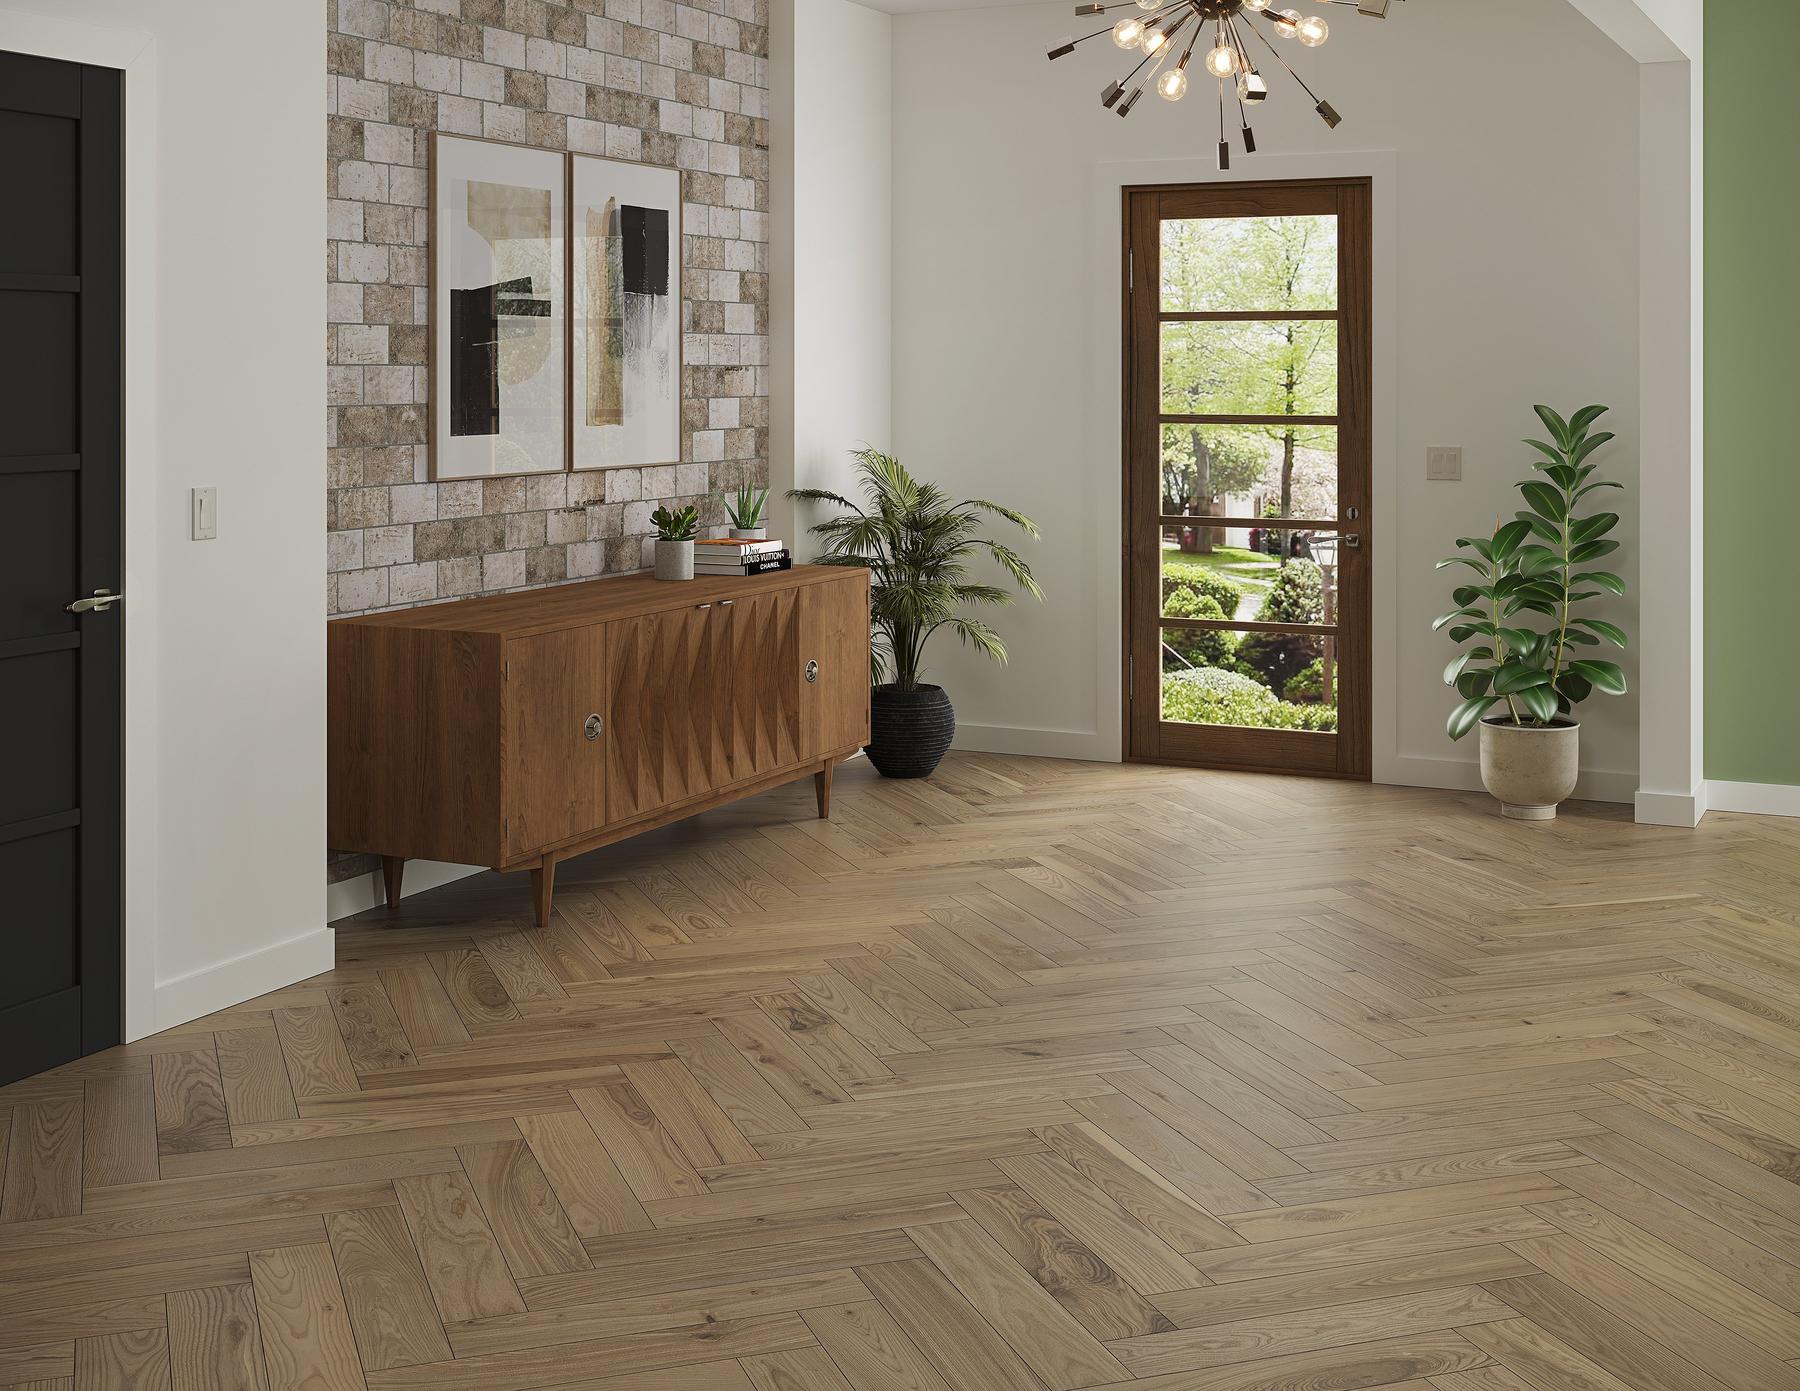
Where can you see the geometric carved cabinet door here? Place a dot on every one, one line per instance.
(668, 736)
(555, 692)
(766, 683)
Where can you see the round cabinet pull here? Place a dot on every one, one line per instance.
(812, 671)
(592, 726)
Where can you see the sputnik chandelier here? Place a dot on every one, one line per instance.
(1156, 28)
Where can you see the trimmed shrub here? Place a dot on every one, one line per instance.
(1298, 597)
(1200, 647)
(1224, 697)
(1306, 686)
(1198, 580)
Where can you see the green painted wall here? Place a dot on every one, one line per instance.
(1752, 398)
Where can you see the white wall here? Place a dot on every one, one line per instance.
(225, 640)
(1511, 137)
(831, 186)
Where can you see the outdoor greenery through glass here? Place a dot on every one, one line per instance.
(917, 546)
(1266, 365)
(1530, 570)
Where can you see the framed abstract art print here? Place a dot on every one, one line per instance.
(500, 310)
(625, 229)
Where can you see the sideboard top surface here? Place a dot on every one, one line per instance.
(529, 611)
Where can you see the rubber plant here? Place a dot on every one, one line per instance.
(1533, 649)
(916, 544)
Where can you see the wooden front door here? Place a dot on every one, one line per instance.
(1247, 491)
(60, 495)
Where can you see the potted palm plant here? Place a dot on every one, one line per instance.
(746, 513)
(1532, 661)
(916, 544)
(675, 532)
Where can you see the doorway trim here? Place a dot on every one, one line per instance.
(133, 52)
(1106, 336)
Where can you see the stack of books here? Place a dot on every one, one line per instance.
(725, 556)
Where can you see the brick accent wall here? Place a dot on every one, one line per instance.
(674, 84)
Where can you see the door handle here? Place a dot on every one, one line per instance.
(102, 601)
(1352, 539)
(592, 726)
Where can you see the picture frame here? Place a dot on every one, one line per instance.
(626, 331)
(499, 320)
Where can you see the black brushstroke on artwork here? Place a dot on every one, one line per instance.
(645, 233)
(475, 361)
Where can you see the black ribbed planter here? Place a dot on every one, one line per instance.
(909, 731)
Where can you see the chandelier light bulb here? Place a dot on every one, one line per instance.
(1150, 4)
(1222, 61)
(1257, 4)
(1155, 41)
(1286, 22)
(1312, 31)
(1128, 32)
(1172, 85)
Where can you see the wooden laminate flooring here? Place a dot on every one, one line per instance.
(1037, 1076)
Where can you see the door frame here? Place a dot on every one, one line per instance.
(1350, 749)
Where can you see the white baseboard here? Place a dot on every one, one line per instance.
(1671, 808)
(348, 897)
(1083, 744)
(242, 978)
(1760, 798)
(1459, 775)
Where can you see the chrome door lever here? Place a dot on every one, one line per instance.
(103, 600)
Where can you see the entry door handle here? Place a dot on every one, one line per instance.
(1352, 539)
(102, 601)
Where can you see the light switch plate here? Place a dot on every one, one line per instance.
(204, 514)
(1443, 463)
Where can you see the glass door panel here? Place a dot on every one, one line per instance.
(1247, 428)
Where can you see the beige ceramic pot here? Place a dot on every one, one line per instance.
(1529, 769)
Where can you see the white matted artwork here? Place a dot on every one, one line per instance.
(500, 310)
(626, 228)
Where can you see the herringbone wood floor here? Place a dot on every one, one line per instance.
(1037, 1075)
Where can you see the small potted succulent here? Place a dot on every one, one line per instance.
(675, 532)
(746, 513)
(917, 546)
(1521, 683)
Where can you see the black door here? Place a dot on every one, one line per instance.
(60, 541)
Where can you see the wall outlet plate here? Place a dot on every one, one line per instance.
(1443, 463)
(203, 514)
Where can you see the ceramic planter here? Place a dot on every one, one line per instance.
(749, 533)
(1530, 769)
(909, 731)
(674, 560)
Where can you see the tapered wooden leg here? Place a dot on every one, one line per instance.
(392, 868)
(543, 886)
(822, 790)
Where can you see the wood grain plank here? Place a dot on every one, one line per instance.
(215, 1343)
(392, 1314)
(43, 1161)
(463, 1265)
(534, 1232)
(306, 1337)
(1051, 1342)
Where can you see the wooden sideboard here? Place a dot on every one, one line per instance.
(523, 729)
